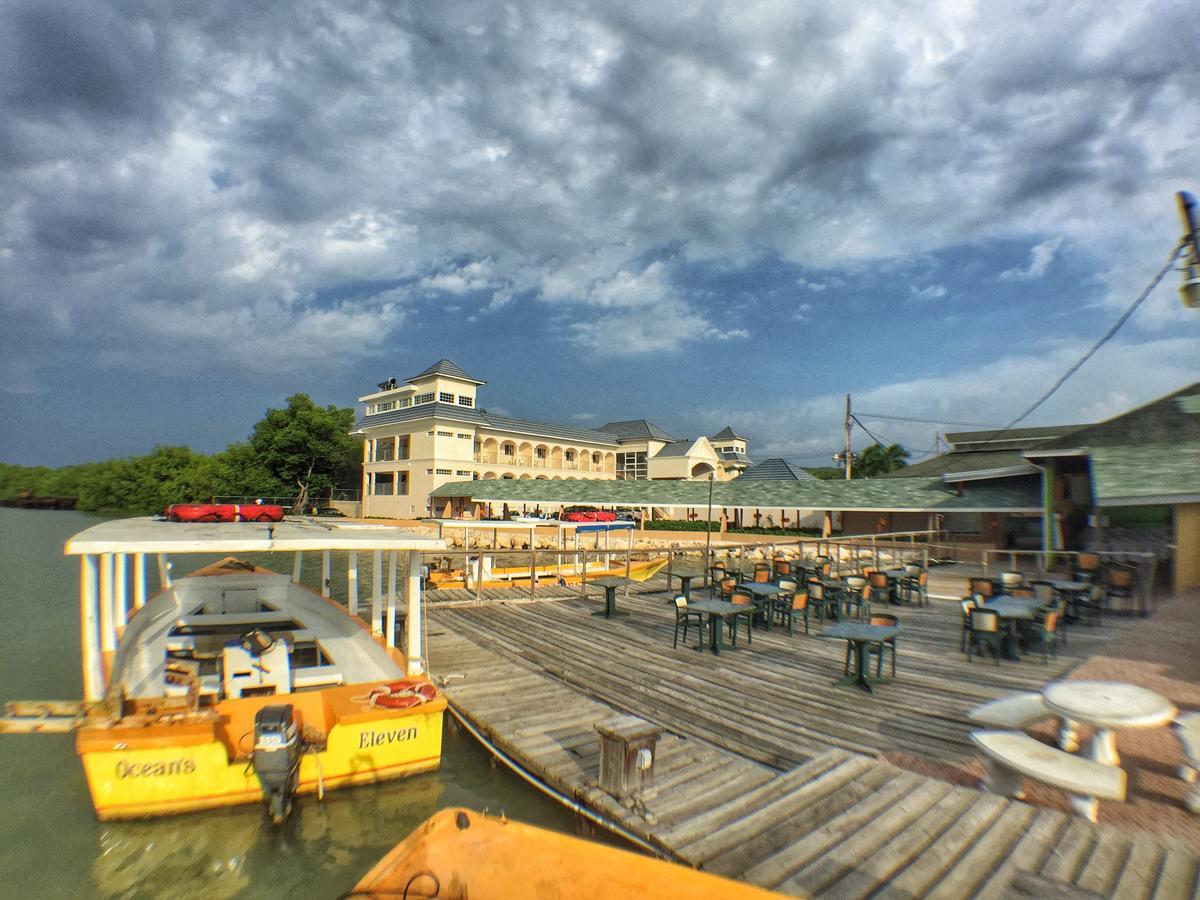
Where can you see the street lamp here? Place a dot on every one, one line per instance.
(1190, 291)
(712, 476)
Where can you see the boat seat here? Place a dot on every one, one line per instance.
(1019, 711)
(316, 676)
(1011, 754)
(242, 620)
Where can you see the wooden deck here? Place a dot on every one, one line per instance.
(770, 774)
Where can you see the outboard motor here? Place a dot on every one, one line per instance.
(276, 758)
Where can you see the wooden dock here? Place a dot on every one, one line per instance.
(768, 773)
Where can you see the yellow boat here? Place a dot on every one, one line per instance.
(456, 853)
(239, 685)
(518, 576)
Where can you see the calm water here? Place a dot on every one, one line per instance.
(50, 842)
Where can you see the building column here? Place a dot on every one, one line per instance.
(1187, 546)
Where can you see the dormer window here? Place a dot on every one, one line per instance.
(465, 401)
(445, 397)
(423, 398)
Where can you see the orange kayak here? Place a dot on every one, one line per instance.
(457, 853)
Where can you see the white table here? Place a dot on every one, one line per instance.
(1106, 706)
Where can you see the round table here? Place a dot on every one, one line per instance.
(1106, 705)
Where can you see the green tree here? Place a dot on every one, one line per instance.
(308, 447)
(879, 460)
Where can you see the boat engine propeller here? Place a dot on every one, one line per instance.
(276, 758)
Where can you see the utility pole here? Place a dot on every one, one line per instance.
(849, 456)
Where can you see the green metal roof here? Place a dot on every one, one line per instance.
(953, 463)
(1149, 455)
(1152, 474)
(877, 494)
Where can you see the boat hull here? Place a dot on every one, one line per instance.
(171, 768)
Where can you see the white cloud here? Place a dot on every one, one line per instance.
(930, 292)
(1040, 258)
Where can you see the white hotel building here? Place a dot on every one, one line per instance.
(429, 430)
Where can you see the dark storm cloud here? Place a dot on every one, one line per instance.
(237, 164)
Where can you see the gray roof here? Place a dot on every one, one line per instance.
(727, 434)
(676, 448)
(776, 469)
(480, 417)
(448, 368)
(874, 495)
(733, 456)
(636, 429)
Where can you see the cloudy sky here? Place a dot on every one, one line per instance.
(708, 214)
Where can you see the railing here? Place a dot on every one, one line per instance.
(338, 495)
(539, 463)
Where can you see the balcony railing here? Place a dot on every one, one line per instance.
(575, 465)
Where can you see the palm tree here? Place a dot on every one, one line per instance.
(879, 460)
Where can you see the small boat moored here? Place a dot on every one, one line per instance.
(236, 684)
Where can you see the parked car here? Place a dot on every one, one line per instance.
(587, 514)
(630, 515)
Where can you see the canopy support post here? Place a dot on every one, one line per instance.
(121, 590)
(377, 593)
(326, 566)
(352, 583)
(89, 603)
(297, 565)
(139, 580)
(108, 632)
(391, 601)
(412, 598)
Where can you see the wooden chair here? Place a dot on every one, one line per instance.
(985, 633)
(740, 597)
(762, 573)
(1043, 633)
(684, 616)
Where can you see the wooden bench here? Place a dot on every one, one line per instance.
(1187, 729)
(1019, 711)
(1011, 754)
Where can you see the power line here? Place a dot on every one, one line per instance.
(1107, 335)
(930, 421)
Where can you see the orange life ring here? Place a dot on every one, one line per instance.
(402, 694)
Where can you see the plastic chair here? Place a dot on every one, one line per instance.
(783, 568)
(740, 597)
(982, 586)
(819, 603)
(915, 589)
(879, 647)
(715, 573)
(880, 586)
(1043, 633)
(968, 604)
(985, 633)
(1010, 581)
(856, 595)
(1118, 585)
(728, 583)
(762, 573)
(1087, 567)
(683, 616)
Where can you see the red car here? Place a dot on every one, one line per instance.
(586, 514)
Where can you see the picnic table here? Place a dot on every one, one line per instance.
(1106, 706)
(718, 612)
(860, 636)
(610, 585)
